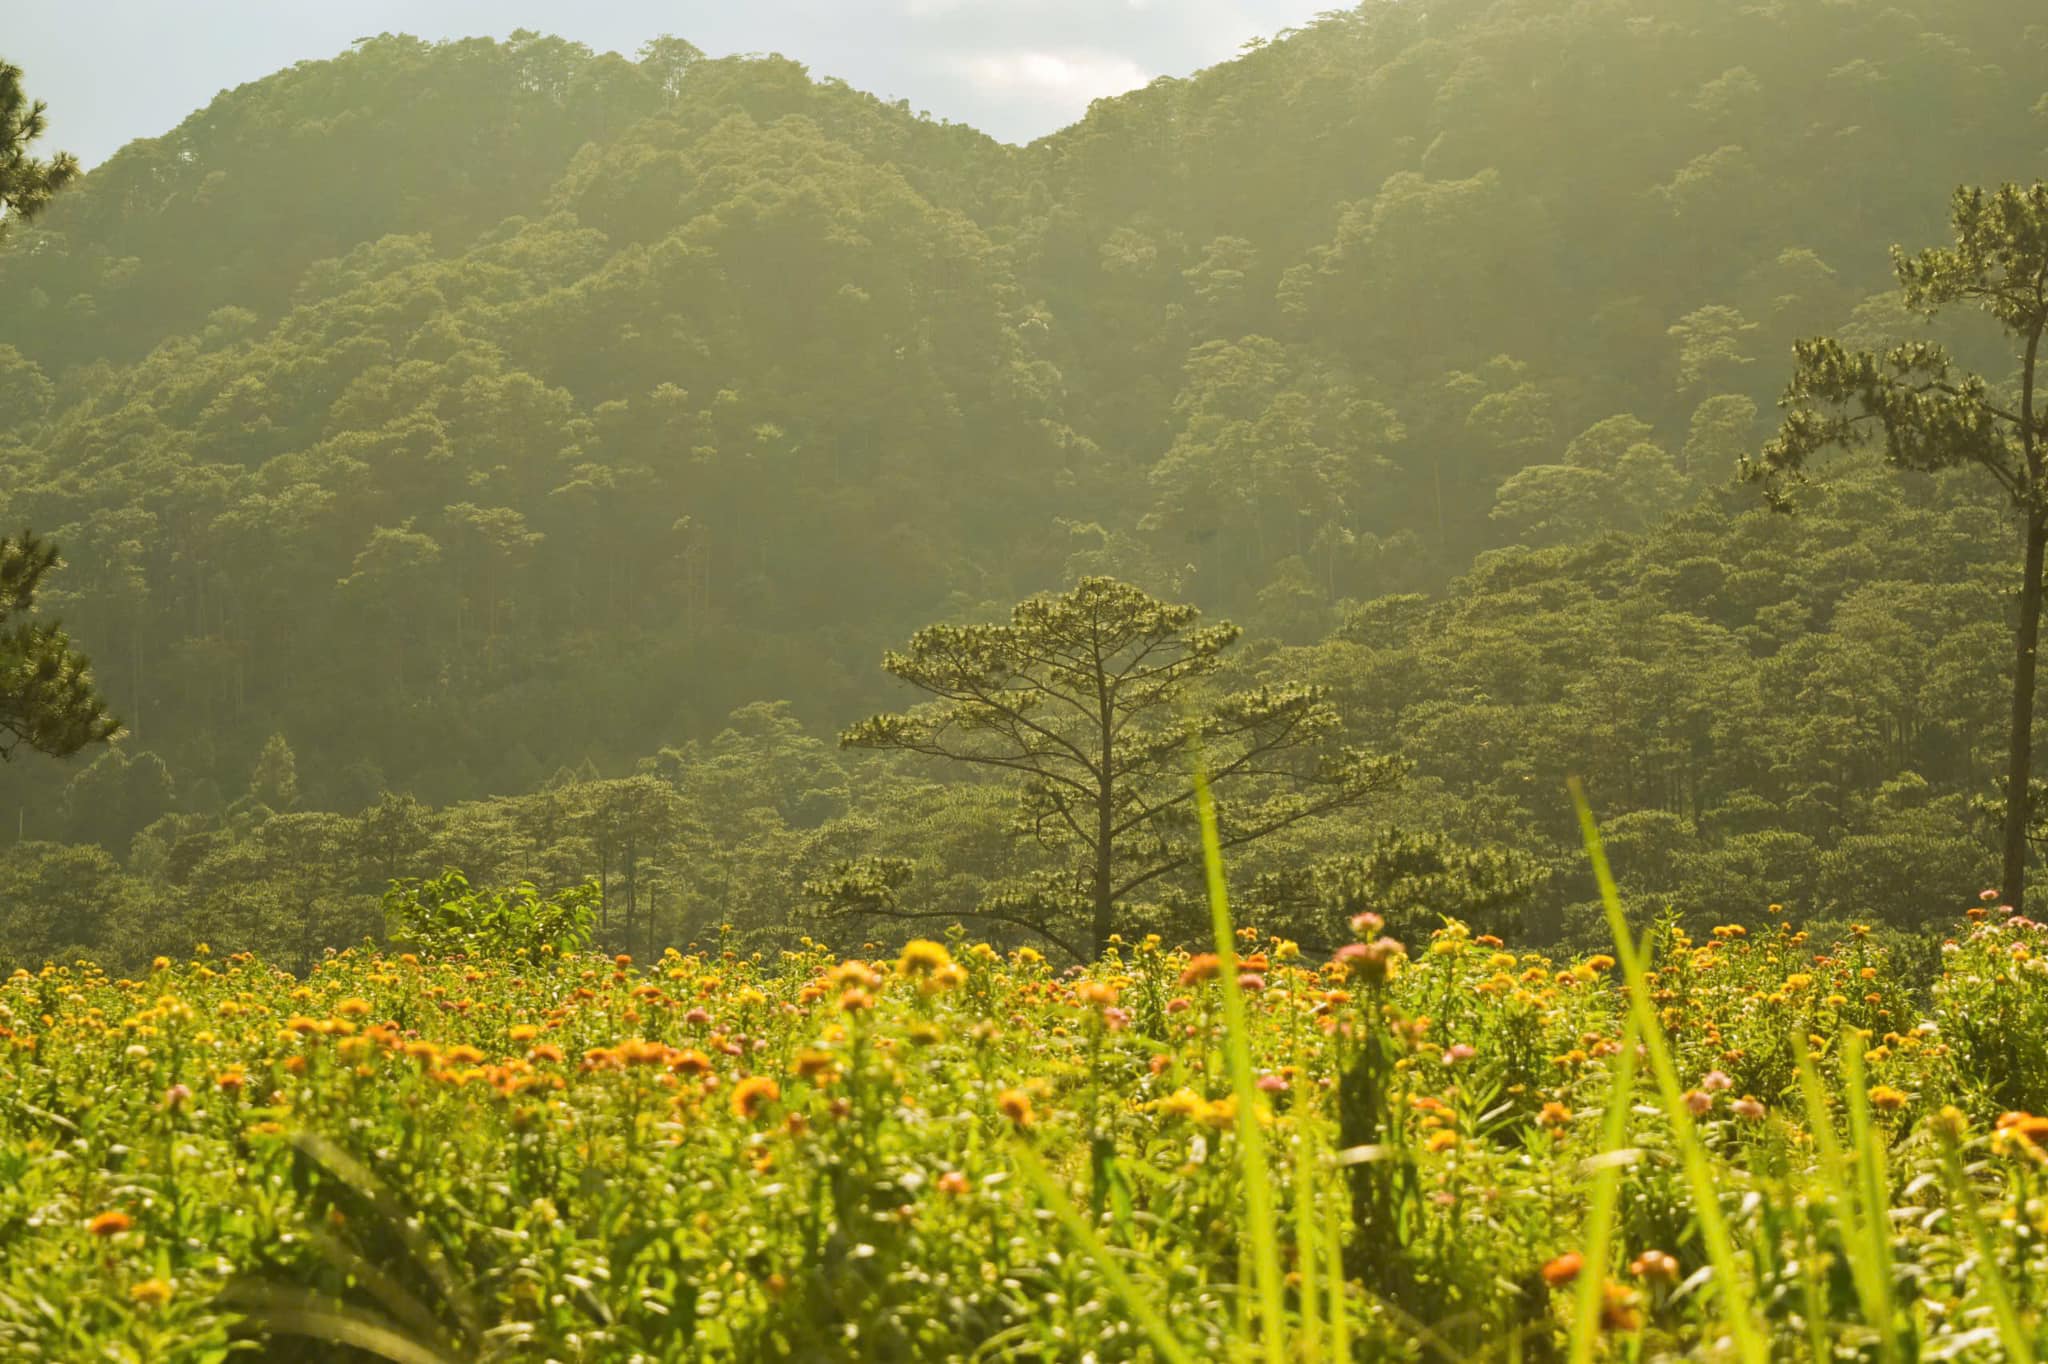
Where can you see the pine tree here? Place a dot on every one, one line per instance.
(26, 183)
(47, 700)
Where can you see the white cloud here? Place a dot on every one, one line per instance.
(1067, 76)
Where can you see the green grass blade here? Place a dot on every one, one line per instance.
(1251, 1137)
(2012, 1332)
(1870, 1275)
(1149, 1318)
(1308, 1251)
(1606, 1192)
(1749, 1339)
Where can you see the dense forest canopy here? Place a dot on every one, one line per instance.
(516, 458)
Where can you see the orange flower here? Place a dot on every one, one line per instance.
(1015, 1105)
(1563, 1269)
(110, 1224)
(690, 1061)
(1201, 967)
(750, 1095)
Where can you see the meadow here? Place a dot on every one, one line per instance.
(1771, 1147)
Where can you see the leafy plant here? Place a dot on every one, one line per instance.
(445, 915)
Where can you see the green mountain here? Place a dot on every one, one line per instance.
(464, 412)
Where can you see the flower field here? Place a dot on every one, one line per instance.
(951, 1152)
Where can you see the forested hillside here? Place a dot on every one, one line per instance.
(514, 458)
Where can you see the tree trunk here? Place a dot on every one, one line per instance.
(2020, 760)
(1104, 908)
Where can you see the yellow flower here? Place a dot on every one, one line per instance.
(923, 957)
(1443, 1140)
(1015, 1105)
(1885, 1099)
(353, 1008)
(154, 1292)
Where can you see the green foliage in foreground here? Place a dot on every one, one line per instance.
(961, 1155)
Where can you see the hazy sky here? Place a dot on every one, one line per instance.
(112, 70)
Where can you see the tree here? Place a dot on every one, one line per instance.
(1934, 416)
(1094, 698)
(47, 699)
(26, 183)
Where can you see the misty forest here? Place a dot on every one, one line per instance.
(1376, 704)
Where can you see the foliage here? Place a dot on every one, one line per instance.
(1094, 697)
(27, 183)
(802, 1156)
(1934, 417)
(447, 917)
(47, 699)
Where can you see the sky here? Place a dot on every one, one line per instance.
(113, 70)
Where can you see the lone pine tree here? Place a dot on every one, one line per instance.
(1096, 700)
(1933, 416)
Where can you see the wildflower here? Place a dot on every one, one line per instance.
(1459, 1051)
(1885, 1099)
(750, 1095)
(110, 1224)
(1554, 1114)
(1600, 962)
(1218, 1113)
(1203, 966)
(814, 1065)
(953, 1183)
(353, 1008)
(1015, 1105)
(1714, 1081)
(1618, 1309)
(1443, 1139)
(1182, 1103)
(151, 1292)
(1563, 1269)
(1698, 1102)
(922, 957)
(1747, 1107)
(1655, 1264)
(1373, 962)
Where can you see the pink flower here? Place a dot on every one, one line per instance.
(1174, 1006)
(1272, 1084)
(1987, 896)
(1698, 1103)
(1459, 1051)
(697, 1016)
(1367, 924)
(1251, 980)
(1746, 1107)
(176, 1095)
(1715, 1081)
